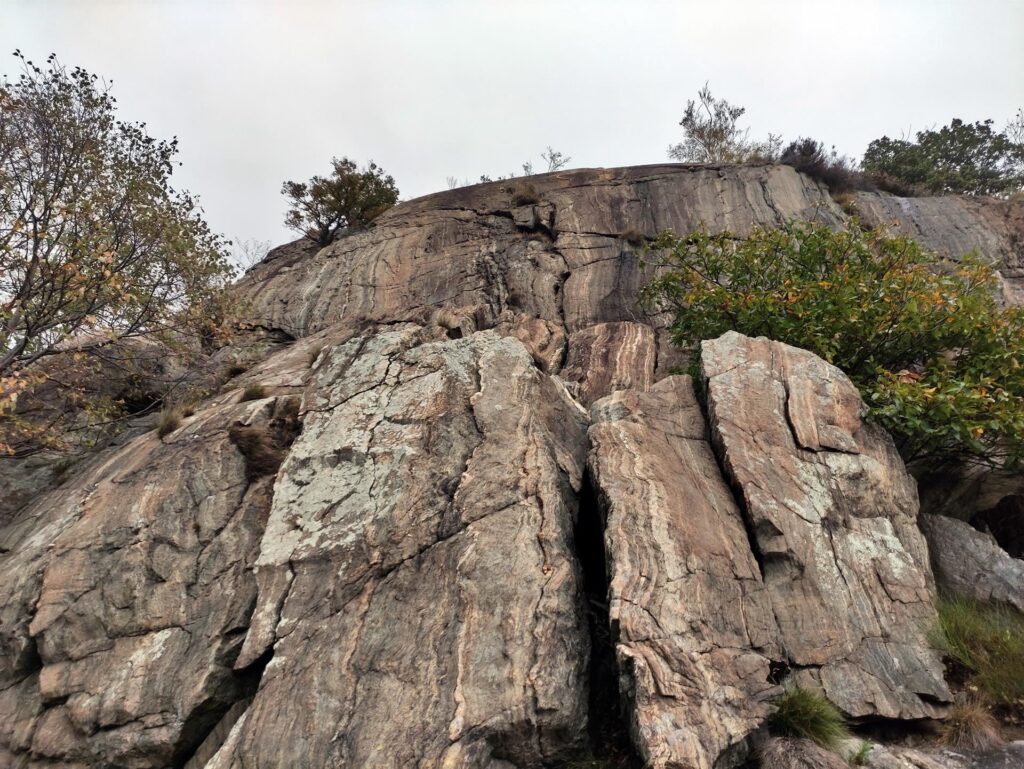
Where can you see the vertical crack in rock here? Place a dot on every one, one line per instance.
(691, 621)
(607, 725)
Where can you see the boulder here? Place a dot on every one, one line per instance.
(833, 519)
(971, 564)
(691, 620)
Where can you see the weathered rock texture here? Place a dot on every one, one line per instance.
(971, 564)
(953, 226)
(417, 582)
(400, 586)
(125, 595)
(693, 626)
(832, 514)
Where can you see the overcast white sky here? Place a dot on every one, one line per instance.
(260, 91)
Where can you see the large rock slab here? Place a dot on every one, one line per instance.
(692, 622)
(970, 563)
(417, 588)
(954, 225)
(572, 258)
(126, 593)
(833, 518)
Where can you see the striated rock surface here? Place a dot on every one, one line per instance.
(571, 258)
(692, 622)
(953, 225)
(416, 579)
(124, 595)
(833, 514)
(402, 585)
(970, 563)
(609, 357)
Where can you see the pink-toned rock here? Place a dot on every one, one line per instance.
(833, 516)
(609, 357)
(692, 622)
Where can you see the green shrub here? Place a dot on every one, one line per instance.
(803, 713)
(961, 158)
(939, 363)
(988, 640)
(253, 392)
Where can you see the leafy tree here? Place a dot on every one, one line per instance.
(961, 158)
(95, 244)
(939, 363)
(712, 136)
(349, 197)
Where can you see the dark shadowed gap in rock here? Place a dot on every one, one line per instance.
(609, 746)
(1005, 522)
(237, 689)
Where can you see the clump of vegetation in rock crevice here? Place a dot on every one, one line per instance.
(988, 641)
(264, 446)
(808, 715)
(938, 362)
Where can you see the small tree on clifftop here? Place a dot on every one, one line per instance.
(349, 197)
(712, 136)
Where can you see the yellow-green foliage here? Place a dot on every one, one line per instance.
(803, 713)
(989, 641)
(939, 363)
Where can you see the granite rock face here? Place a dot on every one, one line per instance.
(970, 563)
(692, 622)
(832, 513)
(125, 594)
(379, 565)
(416, 580)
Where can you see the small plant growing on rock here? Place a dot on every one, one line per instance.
(170, 420)
(859, 757)
(970, 726)
(524, 195)
(988, 640)
(939, 363)
(253, 392)
(807, 714)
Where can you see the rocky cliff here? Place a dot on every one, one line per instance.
(474, 519)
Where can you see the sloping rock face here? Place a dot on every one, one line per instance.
(566, 258)
(953, 226)
(378, 563)
(970, 563)
(833, 515)
(124, 596)
(692, 620)
(416, 578)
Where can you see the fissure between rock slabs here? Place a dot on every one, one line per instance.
(609, 743)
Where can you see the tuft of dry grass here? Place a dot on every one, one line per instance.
(971, 726)
(262, 457)
(253, 392)
(170, 420)
(524, 194)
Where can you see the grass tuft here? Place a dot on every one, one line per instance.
(804, 713)
(253, 392)
(971, 726)
(988, 640)
(169, 421)
(859, 757)
(524, 194)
